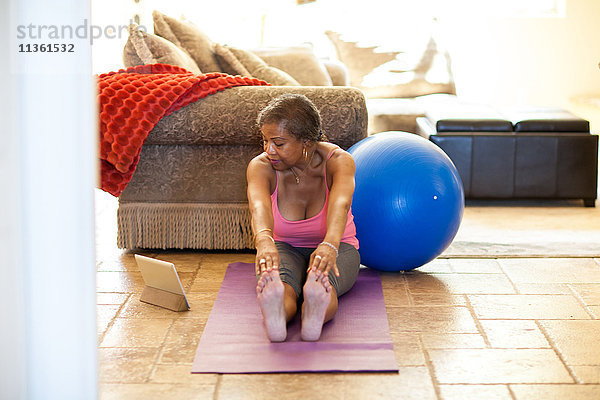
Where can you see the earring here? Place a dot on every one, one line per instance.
(304, 153)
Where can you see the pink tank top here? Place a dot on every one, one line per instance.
(311, 231)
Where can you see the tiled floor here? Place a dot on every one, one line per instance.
(512, 328)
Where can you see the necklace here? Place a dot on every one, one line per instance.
(302, 172)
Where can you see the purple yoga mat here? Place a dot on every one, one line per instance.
(234, 339)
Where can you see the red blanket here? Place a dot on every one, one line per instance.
(133, 100)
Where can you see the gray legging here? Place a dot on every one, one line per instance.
(294, 264)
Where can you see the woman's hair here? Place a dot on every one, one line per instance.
(298, 115)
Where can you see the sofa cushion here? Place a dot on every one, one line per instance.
(298, 61)
(145, 48)
(189, 38)
(241, 62)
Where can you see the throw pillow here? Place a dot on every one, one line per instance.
(338, 72)
(189, 38)
(229, 62)
(298, 61)
(145, 48)
(241, 62)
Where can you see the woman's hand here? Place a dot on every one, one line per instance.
(267, 256)
(323, 260)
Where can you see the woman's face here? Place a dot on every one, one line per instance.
(283, 149)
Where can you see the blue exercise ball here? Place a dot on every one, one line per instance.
(408, 201)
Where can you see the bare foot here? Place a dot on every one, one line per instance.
(269, 292)
(316, 299)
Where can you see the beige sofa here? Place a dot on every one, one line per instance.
(189, 188)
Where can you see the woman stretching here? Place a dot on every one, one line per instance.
(300, 192)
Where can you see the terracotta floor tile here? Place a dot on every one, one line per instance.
(527, 307)
(498, 366)
(409, 383)
(182, 341)
(466, 392)
(475, 266)
(459, 283)
(111, 298)
(126, 365)
(126, 332)
(588, 292)
(220, 261)
(279, 386)
(185, 261)
(122, 260)
(407, 349)
(108, 257)
(200, 305)
(104, 315)
(587, 373)
(187, 279)
(134, 308)
(425, 283)
(120, 282)
(577, 341)
(392, 280)
(544, 215)
(431, 319)
(474, 284)
(181, 374)
(556, 392)
(438, 299)
(430, 312)
(543, 288)
(511, 334)
(453, 341)
(207, 280)
(396, 297)
(228, 257)
(438, 265)
(156, 391)
(551, 270)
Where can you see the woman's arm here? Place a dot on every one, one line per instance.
(259, 175)
(341, 167)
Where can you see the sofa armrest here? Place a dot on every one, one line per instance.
(229, 117)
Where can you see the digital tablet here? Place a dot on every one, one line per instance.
(160, 275)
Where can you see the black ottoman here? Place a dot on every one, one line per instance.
(545, 155)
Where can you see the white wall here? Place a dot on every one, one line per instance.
(236, 22)
(547, 61)
(107, 51)
(538, 61)
(48, 158)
